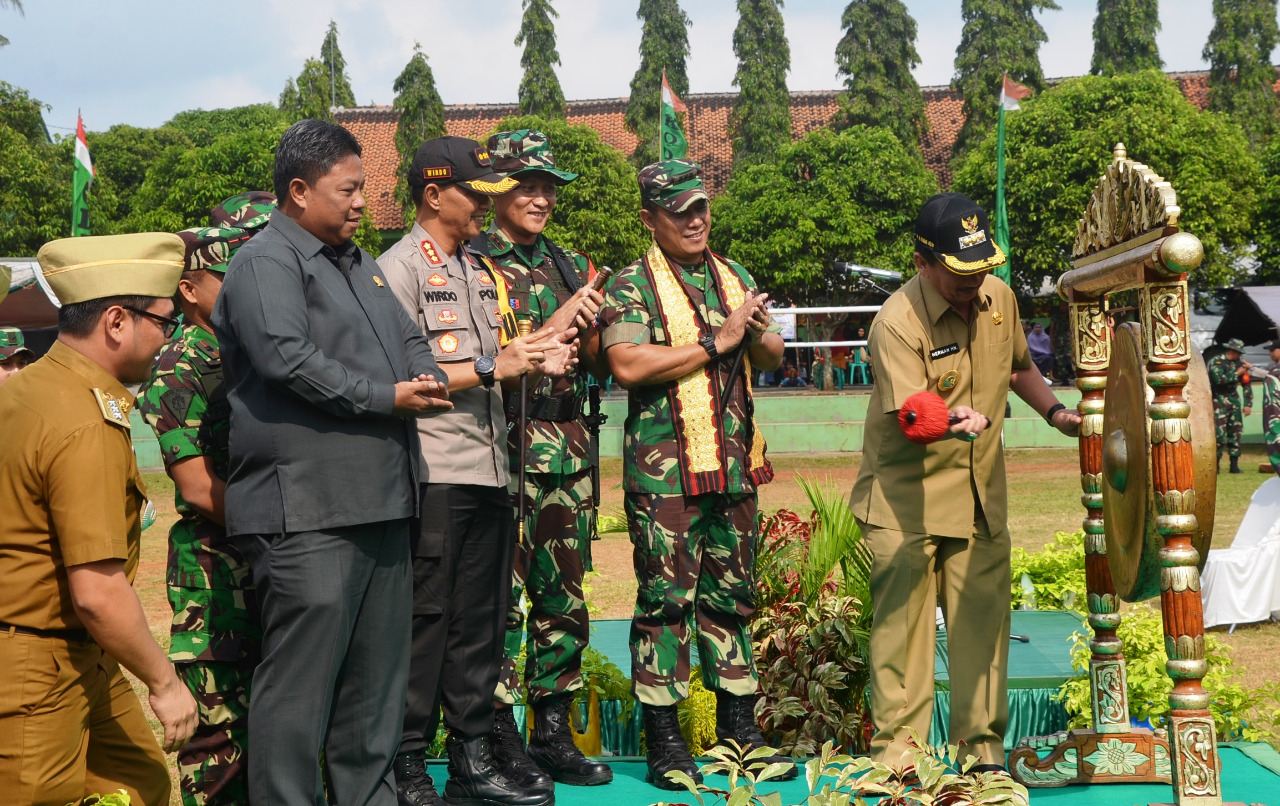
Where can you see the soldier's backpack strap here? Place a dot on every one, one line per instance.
(564, 263)
(508, 330)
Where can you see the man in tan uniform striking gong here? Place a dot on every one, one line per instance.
(940, 509)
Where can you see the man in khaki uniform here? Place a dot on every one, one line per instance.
(939, 510)
(462, 554)
(70, 725)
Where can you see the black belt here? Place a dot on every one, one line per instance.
(67, 635)
(558, 409)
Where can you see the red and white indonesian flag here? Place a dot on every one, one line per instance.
(669, 98)
(1010, 93)
(83, 161)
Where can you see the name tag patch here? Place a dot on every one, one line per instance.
(943, 352)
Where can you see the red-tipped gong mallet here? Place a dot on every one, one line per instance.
(925, 419)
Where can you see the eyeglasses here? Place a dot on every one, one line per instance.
(168, 325)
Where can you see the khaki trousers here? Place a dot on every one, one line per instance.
(70, 726)
(907, 572)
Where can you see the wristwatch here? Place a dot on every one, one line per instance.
(708, 343)
(485, 365)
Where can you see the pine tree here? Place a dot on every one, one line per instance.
(1241, 76)
(664, 45)
(540, 92)
(421, 119)
(999, 36)
(340, 93)
(1124, 37)
(760, 122)
(876, 57)
(321, 84)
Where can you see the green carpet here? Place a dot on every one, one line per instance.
(1244, 779)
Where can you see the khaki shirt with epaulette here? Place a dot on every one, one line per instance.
(71, 490)
(919, 342)
(455, 303)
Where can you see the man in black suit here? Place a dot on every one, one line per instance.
(325, 375)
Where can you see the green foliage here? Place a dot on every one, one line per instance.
(697, 715)
(202, 126)
(117, 798)
(421, 119)
(322, 84)
(664, 45)
(22, 113)
(1241, 76)
(852, 195)
(876, 56)
(837, 779)
(1056, 573)
(540, 92)
(1249, 715)
(1124, 37)
(122, 156)
(760, 122)
(16, 5)
(1061, 142)
(999, 36)
(1266, 235)
(599, 212)
(367, 236)
(35, 193)
(336, 67)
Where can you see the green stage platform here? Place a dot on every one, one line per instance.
(1250, 773)
(1036, 670)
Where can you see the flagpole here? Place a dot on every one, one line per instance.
(1002, 215)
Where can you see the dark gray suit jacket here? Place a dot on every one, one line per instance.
(311, 361)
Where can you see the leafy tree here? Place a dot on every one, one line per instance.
(599, 212)
(1266, 235)
(204, 126)
(421, 119)
(16, 4)
(999, 36)
(121, 158)
(540, 92)
(664, 45)
(1124, 37)
(1241, 76)
(760, 122)
(322, 83)
(22, 113)
(1062, 140)
(849, 196)
(35, 193)
(876, 56)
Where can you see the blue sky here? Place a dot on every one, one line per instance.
(140, 62)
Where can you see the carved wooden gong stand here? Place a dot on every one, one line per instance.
(1147, 471)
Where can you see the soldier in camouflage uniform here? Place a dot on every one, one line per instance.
(14, 352)
(247, 211)
(1226, 372)
(672, 325)
(215, 633)
(1271, 407)
(550, 565)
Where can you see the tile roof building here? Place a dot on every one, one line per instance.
(707, 127)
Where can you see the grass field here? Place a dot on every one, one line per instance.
(1044, 497)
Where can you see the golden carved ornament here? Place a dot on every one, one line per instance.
(1130, 201)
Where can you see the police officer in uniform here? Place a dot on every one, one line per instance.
(925, 509)
(70, 725)
(462, 552)
(549, 567)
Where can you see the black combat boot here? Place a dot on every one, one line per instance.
(413, 786)
(1235, 465)
(474, 780)
(507, 746)
(736, 720)
(551, 746)
(667, 751)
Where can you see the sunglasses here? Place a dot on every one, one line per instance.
(168, 326)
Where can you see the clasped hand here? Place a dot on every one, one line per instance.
(548, 351)
(750, 318)
(421, 396)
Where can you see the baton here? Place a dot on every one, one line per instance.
(523, 327)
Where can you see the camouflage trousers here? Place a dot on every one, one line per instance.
(1228, 424)
(693, 560)
(212, 768)
(549, 568)
(1271, 419)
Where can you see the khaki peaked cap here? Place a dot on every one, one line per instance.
(145, 264)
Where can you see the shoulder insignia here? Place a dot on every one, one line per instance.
(448, 343)
(436, 279)
(447, 316)
(429, 251)
(114, 410)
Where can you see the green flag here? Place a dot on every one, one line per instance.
(81, 179)
(674, 146)
(1010, 93)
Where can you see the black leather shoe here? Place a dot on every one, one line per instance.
(551, 746)
(667, 751)
(507, 746)
(736, 720)
(475, 781)
(413, 786)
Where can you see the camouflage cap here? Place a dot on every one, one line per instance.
(247, 211)
(525, 151)
(672, 184)
(1232, 344)
(211, 248)
(11, 344)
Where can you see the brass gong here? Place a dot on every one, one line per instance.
(1128, 497)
